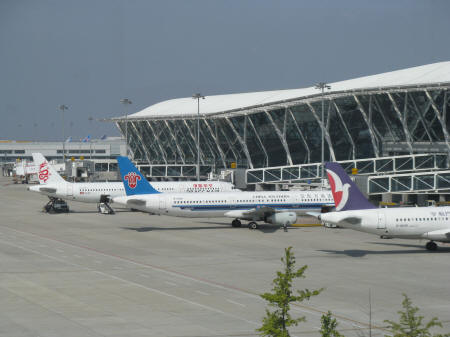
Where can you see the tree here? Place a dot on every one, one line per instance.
(329, 325)
(277, 322)
(411, 325)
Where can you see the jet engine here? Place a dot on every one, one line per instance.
(282, 218)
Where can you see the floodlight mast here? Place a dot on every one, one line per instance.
(125, 102)
(322, 86)
(198, 96)
(63, 107)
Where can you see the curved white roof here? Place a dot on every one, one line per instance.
(427, 74)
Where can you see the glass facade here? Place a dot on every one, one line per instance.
(357, 125)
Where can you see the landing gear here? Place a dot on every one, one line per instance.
(431, 245)
(236, 223)
(104, 208)
(56, 205)
(285, 226)
(252, 225)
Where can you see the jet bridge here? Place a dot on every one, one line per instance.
(370, 166)
(394, 174)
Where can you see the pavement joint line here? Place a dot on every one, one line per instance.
(297, 306)
(136, 284)
(237, 303)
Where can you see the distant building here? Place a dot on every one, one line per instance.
(108, 148)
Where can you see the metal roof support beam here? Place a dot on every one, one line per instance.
(155, 155)
(240, 140)
(163, 153)
(213, 135)
(259, 140)
(162, 132)
(172, 134)
(421, 119)
(338, 111)
(208, 144)
(230, 145)
(439, 117)
(308, 151)
(280, 135)
(178, 126)
(369, 125)
(144, 145)
(324, 129)
(195, 142)
(380, 111)
(402, 119)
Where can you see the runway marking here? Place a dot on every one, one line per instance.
(59, 250)
(171, 283)
(201, 292)
(98, 261)
(295, 306)
(137, 285)
(237, 303)
(75, 255)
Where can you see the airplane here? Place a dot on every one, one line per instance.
(354, 211)
(277, 207)
(55, 187)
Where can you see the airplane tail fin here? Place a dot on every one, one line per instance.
(133, 180)
(346, 194)
(46, 174)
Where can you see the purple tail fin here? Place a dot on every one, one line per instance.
(346, 194)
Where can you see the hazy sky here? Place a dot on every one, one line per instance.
(88, 54)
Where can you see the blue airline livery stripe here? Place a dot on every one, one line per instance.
(245, 207)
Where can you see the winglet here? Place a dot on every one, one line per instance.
(46, 174)
(346, 194)
(133, 180)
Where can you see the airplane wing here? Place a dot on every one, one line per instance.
(260, 212)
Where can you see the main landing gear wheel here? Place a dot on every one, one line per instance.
(236, 223)
(431, 246)
(252, 225)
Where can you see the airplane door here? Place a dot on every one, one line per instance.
(69, 189)
(162, 203)
(381, 220)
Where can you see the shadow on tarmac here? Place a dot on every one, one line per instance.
(261, 228)
(149, 229)
(419, 249)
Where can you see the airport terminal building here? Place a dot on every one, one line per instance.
(390, 124)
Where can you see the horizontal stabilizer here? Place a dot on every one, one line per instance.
(47, 189)
(136, 202)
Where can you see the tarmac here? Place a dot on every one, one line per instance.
(135, 274)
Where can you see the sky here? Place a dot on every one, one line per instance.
(89, 54)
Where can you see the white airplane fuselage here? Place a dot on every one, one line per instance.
(229, 204)
(93, 192)
(430, 223)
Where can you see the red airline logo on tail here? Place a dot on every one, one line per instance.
(43, 172)
(340, 192)
(132, 179)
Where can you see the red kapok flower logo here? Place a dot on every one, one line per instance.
(132, 179)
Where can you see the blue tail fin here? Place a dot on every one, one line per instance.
(133, 181)
(346, 194)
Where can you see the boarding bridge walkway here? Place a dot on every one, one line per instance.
(405, 173)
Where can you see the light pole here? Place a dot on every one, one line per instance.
(322, 86)
(91, 140)
(197, 96)
(62, 108)
(125, 102)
